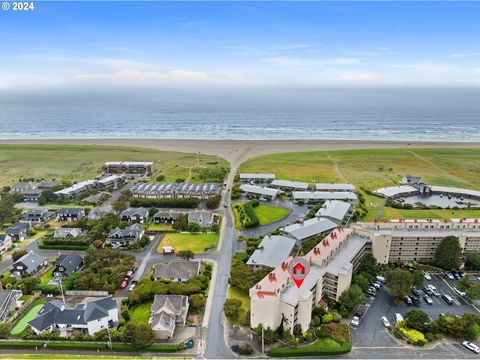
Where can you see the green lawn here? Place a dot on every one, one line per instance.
(21, 324)
(45, 279)
(323, 346)
(440, 214)
(160, 227)
(376, 168)
(268, 214)
(82, 162)
(234, 293)
(140, 313)
(187, 241)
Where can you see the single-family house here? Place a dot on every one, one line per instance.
(22, 188)
(70, 214)
(135, 215)
(66, 265)
(203, 218)
(98, 213)
(177, 271)
(166, 216)
(68, 233)
(47, 185)
(124, 237)
(28, 264)
(5, 243)
(90, 317)
(8, 302)
(166, 313)
(18, 231)
(35, 216)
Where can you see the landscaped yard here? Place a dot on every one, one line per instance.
(234, 293)
(82, 162)
(323, 346)
(140, 313)
(268, 214)
(45, 279)
(21, 324)
(160, 227)
(188, 241)
(391, 213)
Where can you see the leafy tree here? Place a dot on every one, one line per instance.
(232, 308)
(418, 279)
(471, 289)
(193, 227)
(269, 335)
(27, 284)
(186, 254)
(448, 252)
(362, 281)
(399, 282)
(181, 223)
(140, 335)
(297, 330)
(368, 265)
(197, 302)
(5, 330)
(17, 254)
(472, 260)
(327, 318)
(351, 298)
(416, 319)
(213, 202)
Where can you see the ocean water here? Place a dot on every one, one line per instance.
(347, 114)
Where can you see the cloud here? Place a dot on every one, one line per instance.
(464, 55)
(307, 62)
(476, 71)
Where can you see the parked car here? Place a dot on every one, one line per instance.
(385, 322)
(471, 346)
(134, 269)
(428, 300)
(225, 205)
(416, 301)
(456, 275)
(433, 289)
(449, 276)
(398, 318)
(376, 285)
(448, 299)
(459, 292)
(371, 292)
(123, 284)
(416, 292)
(427, 276)
(355, 321)
(428, 291)
(461, 273)
(407, 300)
(132, 286)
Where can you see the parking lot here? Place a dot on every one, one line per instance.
(371, 331)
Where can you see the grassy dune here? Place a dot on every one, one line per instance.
(81, 162)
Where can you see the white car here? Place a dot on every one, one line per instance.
(427, 276)
(461, 293)
(385, 322)
(132, 287)
(428, 300)
(472, 347)
(433, 289)
(355, 321)
(449, 276)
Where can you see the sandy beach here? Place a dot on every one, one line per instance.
(237, 151)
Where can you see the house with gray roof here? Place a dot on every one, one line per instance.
(335, 187)
(90, 317)
(70, 214)
(66, 265)
(316, 196)
(202, 218)
(46, 185)
(167, 312)
(289, 185)
(22, 188)
(35, 216)
(166, 216)
(264, 192)
(337, 211)
(134, 215)
(28, 264)
(8, 302)
(98, 213)
(124, 237)
(309, 229)
(5, 243)
(18, 231)
(271, 251)
(68, 233)
(177, 271)
(256, 177)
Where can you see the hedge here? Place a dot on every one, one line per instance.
(324, 346)
(43, 246)
(253, 219)
(68, 242)
(64, 345)
(164, 203)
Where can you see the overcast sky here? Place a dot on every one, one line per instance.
(75, 44)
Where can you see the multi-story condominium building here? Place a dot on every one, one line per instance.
(276, 299)
(316, 196)
(130, 167)
(175, 190)
(417, 240)
(77, 189)
(289, 185)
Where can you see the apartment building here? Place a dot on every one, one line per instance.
(276, 299)
(129, 167)
(417, 240)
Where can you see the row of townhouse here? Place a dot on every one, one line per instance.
(71, 192)
(276, 299)
(30, 191)
(203, 218)
(35, 216)
(128, 167)
(175, 190)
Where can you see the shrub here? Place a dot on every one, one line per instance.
(414, 336)
(327, 318)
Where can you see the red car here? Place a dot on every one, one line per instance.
(123, 284)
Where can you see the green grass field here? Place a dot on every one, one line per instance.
(186, 241)
(45, 279)
(81, 162)
(22, 324)
(323, 346)
(268, 214)
(160, 227)
(376, 168)
(140, 313)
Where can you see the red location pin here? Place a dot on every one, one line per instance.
(298, 269)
